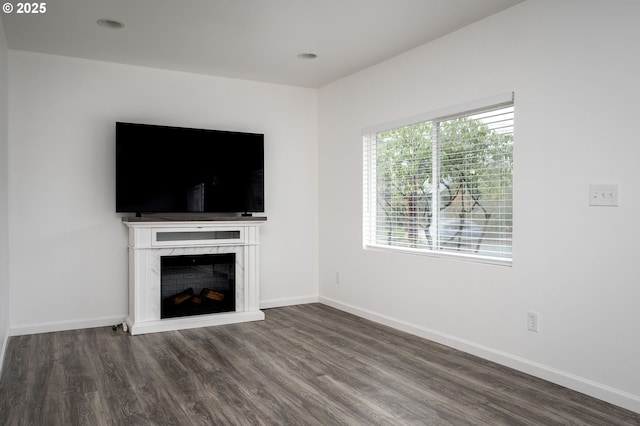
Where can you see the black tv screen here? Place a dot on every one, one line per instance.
(161, 169)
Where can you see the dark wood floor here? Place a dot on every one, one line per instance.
(304, 365)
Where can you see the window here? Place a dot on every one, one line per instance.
(442, 184)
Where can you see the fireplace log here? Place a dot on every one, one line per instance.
(183, 296)
(213, 295)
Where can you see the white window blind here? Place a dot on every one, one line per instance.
(442, 185)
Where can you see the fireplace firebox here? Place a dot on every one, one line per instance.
(197, 284)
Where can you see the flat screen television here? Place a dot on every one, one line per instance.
(162, 169)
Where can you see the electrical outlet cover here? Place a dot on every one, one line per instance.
(532, 321)
(603, 195)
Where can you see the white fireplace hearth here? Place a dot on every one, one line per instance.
(151, 239)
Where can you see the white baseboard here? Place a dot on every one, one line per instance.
(278, 303)
(65, 326)
(103, 322)
(563, 378)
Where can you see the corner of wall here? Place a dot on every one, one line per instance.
(4, 196)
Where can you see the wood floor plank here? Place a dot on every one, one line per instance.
(367, 353)
(304, 365)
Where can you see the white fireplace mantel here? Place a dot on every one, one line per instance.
(150, 239)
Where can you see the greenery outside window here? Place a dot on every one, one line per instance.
(442, 183)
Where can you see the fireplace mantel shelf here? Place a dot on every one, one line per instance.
(151, 238)
(196, 218)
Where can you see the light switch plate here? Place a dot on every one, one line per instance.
(603, 195)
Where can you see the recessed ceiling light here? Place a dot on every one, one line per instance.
(307, 55)
(110, 23)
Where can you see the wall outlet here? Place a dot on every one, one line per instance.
(532, 321)
(603, 195)
(337, 277)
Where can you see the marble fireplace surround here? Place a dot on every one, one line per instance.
(151, 238)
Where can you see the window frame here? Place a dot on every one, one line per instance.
(370, 197)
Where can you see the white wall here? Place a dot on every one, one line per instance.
(574, 68)
(68, 246)
(4, 195)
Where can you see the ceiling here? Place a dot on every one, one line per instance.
(245, 39)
